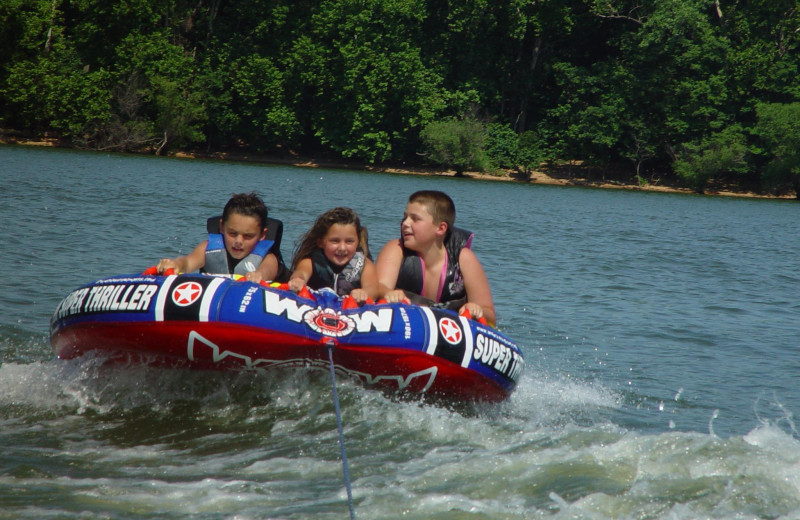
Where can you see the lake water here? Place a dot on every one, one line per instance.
(660, 333)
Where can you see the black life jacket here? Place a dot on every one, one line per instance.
(341, 281)
(452, 293)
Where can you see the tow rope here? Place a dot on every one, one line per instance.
(345, 468)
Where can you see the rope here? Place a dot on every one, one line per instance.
(345, 468)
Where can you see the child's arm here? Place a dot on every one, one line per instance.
(301, 275)
(387, 268)
(479, 294)
(267, 269)
(185, 264)
(369, 283)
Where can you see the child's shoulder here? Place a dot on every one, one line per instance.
(460, 238)
(392, 244)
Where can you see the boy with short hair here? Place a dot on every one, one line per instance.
(432, 260)
(240, 247)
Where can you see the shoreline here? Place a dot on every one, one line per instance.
(575, 175)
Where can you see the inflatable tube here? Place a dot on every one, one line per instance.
(212, 322)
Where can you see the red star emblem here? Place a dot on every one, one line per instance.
(186, 293)
(450, 330)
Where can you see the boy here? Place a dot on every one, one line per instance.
(432, 259)
(239, 248)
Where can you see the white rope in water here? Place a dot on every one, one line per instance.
(345, 468)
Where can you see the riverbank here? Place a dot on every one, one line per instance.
(568, 174)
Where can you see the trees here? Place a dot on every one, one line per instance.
(53, 92)
(100, 74)
(245, 67)
(456, 143)
(723, 153)
(255, 102)
(667, 86)
(371, 90)
(661, 84)
(44, 84)
(506, 148)
(778, 129)
(162, 77)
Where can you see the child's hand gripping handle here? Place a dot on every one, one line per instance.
(153, 271)
(468, 315)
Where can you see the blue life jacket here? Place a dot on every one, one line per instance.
(217, 261)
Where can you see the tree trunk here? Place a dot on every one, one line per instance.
(519, 124)
(49, 43)
(163, 144)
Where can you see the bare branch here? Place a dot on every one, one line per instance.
(610, 12)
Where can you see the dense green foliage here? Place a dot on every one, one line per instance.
(706, 90)
(456, 142)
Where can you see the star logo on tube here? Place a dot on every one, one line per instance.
(450, 330)
(186, 293)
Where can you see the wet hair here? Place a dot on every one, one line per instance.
(308, 242)
(248, 205)
(438, 204)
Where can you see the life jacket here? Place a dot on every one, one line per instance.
(451, 294)
(342, 281)
(217, 261)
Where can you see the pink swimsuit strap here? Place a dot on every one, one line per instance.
(442, 277)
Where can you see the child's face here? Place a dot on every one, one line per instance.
(417, 229)
(241, 234)
(340, 243)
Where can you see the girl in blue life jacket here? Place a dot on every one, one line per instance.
(240, 247)
(334, 254)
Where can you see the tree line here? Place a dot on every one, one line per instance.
(701, 90)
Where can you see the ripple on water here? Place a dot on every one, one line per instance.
(659, 335)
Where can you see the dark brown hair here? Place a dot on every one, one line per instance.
(438, 204)
(308, 242)
(247, 204)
